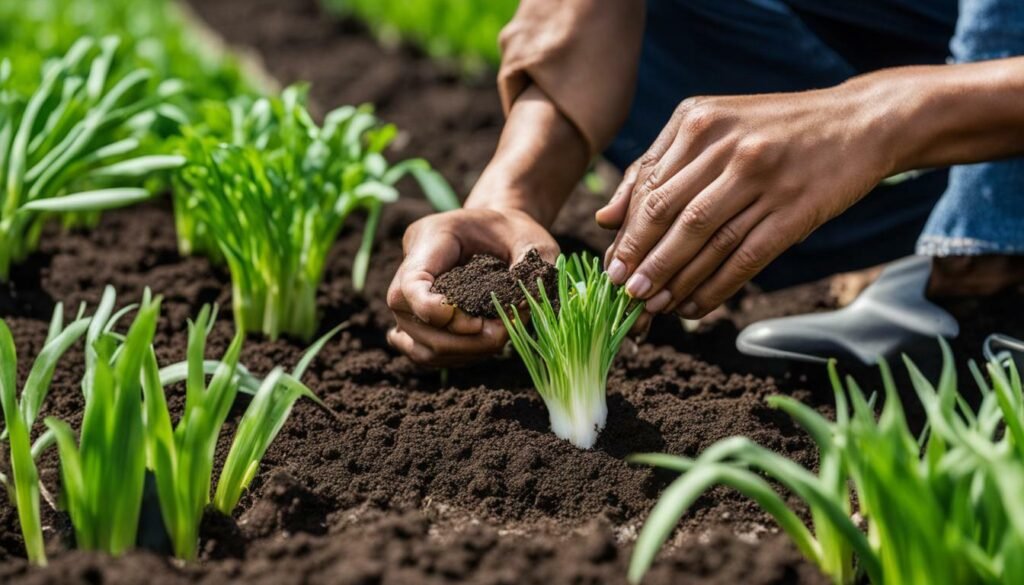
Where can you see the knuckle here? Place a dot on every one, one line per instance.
(628, 249)
(724, 240)
(651, 181)
(657, 206)
(756, 152)
(656, 266)
(748, 260)
(701, 117)
(695, 217)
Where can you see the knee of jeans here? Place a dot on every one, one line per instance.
(989, 29)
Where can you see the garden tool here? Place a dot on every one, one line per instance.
(889, 318)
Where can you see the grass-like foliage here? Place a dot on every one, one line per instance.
(941, 508)
(155, 36)
(181, 457)
(103, 471)
(74, 144)
(19, 417)
(127, 427)
(463, 29)
(570, 349)
(268, 190)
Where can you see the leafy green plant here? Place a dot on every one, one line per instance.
(464, 29)
(20, 416)
(127, 427)
(155, 36)
(571, 349)
(941, 508)
(103, 470)
(181, 457)
(268, 190)
(72, 145)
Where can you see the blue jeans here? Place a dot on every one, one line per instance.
(709, 47)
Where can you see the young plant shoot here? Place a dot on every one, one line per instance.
(940, 509)
(103, 470)
(571, 349)
(268, 190)
(181, 457)
(127, 428)
(19, 418)
(75, 144)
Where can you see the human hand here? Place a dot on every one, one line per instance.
(430, 331)
(732, 182)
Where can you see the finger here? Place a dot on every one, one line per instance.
(642, 325)
(698, 222)
(723, 243)
(490, 340)
(463, 324)
(613, 213)
(422, 355)
(423, 264)
(652, 216)
(763, 244)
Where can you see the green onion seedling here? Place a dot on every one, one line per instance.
(20, 416)
(268, 190)
(181, 457)
(75, 144)
(941, 508)
(570, 351)
(103, 470)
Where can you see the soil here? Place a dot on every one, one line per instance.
(419, 477)
(469, 287)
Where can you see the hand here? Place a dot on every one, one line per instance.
(430, 331)
(731, 183)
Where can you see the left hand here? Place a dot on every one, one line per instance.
(732, 182)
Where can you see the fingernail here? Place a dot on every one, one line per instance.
(617, 271)
(689, 310)
(638, 285)
(658, 302)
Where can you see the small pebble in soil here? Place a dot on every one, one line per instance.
(469, 287)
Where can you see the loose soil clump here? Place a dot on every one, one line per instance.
(469, 287)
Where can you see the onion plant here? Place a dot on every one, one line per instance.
(944, 507)
(127, 429)
(19, 417)
(103, 469)
(268, 190)
(571, 349)
(75, 143)
(181, 457)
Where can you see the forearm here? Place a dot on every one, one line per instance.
(539, 160)
(952, 114)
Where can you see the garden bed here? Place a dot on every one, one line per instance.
(419, 481)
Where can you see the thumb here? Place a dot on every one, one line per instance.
(613, 214)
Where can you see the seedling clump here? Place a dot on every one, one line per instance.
(940, 508)
(75, 144)
(572, 344)
(267, 190)
(127, 429)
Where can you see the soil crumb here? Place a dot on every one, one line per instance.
(469, 287)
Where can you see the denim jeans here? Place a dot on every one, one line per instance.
(720, 47)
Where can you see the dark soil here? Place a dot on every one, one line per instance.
(469, 287)
(414, 480)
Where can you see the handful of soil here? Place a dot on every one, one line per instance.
(469, 287)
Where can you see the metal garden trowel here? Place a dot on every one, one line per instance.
(889, 317)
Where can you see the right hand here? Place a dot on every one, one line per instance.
(429, 330)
